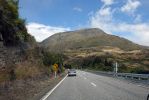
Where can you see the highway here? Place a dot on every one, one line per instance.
(89, 86)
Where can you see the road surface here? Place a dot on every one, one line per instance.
(88, 86)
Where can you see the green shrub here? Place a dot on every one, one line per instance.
(12, 25)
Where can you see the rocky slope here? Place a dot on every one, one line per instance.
(22, 61)
(20, 56)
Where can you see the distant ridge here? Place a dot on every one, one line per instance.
(86, 38)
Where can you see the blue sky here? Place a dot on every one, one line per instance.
(125, 18)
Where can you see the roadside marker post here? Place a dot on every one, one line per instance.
(55, 68)
(55, 74)
(115, 68)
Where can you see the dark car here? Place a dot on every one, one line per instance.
(71, 72)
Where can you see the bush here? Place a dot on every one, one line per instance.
(98, 63)
(50, 58)
(12, 75)
(138, 70)
(13, 28)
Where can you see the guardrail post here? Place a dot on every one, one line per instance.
(139, 77)
(131, 76)
(126, 76)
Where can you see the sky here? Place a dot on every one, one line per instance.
(124, 18)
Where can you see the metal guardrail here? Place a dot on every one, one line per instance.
(133, 76)
(126, 75)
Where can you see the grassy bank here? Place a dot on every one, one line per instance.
(29, 89)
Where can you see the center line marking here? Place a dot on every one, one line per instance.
(93, 84)
(139, 85)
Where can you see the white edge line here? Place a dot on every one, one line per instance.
(50, 92)
(93, 84)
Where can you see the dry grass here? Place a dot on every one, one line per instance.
(26, 70)
(3, 76)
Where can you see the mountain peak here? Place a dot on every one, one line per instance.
(88, 38)
(88, 30)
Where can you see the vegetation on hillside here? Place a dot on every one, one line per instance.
(49, 59)
(127, 62)
(20, 63)
(12, 28)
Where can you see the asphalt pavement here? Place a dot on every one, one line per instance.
(89, 86)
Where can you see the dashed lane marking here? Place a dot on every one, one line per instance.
(93, 84)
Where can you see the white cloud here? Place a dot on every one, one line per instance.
(107, 2)
(78, 9)
(137, 31)
(41, 31)
(105, 11)
(102, 18)
(131, 6)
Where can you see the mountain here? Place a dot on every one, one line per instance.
(94, 49)
(87, 38)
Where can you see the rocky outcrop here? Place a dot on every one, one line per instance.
(8, 56)
(3, 52)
